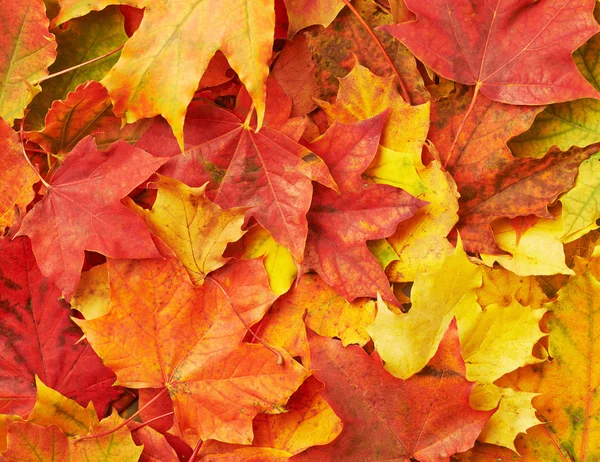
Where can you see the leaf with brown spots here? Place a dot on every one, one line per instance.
(491, 182)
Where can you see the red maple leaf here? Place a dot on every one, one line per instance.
(81, 211)
(340, 225)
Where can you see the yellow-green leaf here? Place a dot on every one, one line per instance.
(581, 205)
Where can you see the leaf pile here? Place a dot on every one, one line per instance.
(321, 230)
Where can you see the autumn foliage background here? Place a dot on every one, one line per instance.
(322, 230)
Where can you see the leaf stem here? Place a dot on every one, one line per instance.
(44, 182)
(195, 453)
(273, 350)
(143, 424)
(387, 57)
(72, 68)
(462, 124)
(133, 416)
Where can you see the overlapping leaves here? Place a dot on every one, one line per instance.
(327, 248)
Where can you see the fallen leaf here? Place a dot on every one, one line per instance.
(82, 40)
(39, 338)
(539, 252)
(194, 228)
(304, 13)
(315, 304)
(568, 419)
(580, 207)
(501, 48)
(515, 413)
(492, 183)
(437, 298)
(340, 225)
(207, 354)
(278, 260)
(69, 215)
(574, 123)
(85, 111)
(265, 171)
(169, 40)
(427, 417)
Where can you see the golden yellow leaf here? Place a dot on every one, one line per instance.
(499, 339)
(421, 242)
(568, 403)
(500, 286)
(539, 252)
(278, 260)
(92, 297)
(52, 408)
(515, 413)
(161, 65)
(407, 342)
(195, 229)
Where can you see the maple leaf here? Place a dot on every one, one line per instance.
(156, 446)
(538, 251)
(580, 207)
(164, 332)
(336, 48)
(500, 286)
(569, 424)
(266, 171)
(514, 51)
(574, 123)
(45, 434)
(162, 63)
(304, 13)
(28, 50)
(69, 220)
(197, 230)
(295, 73)
(278, 260)
(340, 225)
(39, 338)
(370, 401)
(492, 183)
(514, 413)
(86, 111)
(16, 177)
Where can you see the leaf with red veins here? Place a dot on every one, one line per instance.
(340, 225)
(516, 51)
(37, 337)
(82, 211)
(265, 171)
